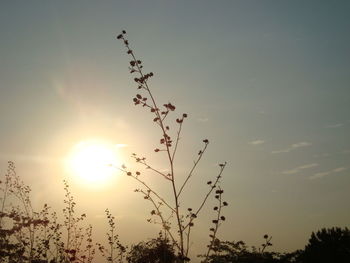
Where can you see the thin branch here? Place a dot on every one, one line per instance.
(222, 167)
(201, 152)
(176, 143)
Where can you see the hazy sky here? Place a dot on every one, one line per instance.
(267, 82)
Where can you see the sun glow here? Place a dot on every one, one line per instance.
(93, 162)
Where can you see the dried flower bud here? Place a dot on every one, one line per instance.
(205, 141)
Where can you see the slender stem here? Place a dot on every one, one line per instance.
(217, 224)
(177, 143)
(163, 220)
(193, 168)
(176, 201)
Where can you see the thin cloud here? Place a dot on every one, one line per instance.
(307, 166)
(293, 147)
(299, 168)
(300, 144)
(326, 173)
(338, 170)
(292, 171)
(257, 142)
(334, 126)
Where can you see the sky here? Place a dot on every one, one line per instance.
(267, 82)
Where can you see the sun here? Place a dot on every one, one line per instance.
(93, 162)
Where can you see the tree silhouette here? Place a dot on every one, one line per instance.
(328, 245)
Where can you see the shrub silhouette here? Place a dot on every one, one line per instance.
(158, 250)
(37, 237)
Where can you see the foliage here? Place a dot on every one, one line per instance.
(239, 252)
(158, 250)
(328, 245)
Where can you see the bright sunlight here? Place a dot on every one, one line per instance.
(93, 162)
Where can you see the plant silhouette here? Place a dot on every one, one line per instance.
(169, 212)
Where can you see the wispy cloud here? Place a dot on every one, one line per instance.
(326, 173)
(299, 168)
(300, 144)
(338, 170)
(322, 155)
(293, 147)
(257, 142)
(333, 126)
(307, 166)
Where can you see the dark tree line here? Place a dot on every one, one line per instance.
(327, 245)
